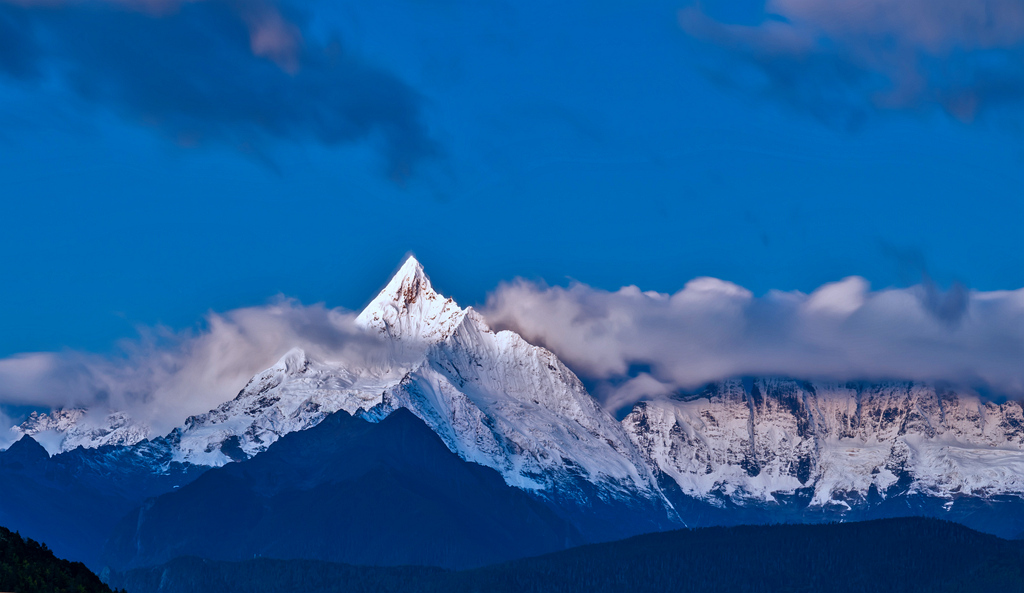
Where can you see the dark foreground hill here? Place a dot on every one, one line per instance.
(346, 490)
(886, 556)
(30, 567)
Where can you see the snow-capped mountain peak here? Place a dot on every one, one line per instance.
(499, 401)
(64, 429)
(492, 397)
(408, 309)
(294, 394)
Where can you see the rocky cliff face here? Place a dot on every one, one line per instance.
(840, 445)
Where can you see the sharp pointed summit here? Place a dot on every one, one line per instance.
(409, 309)
(407, 285)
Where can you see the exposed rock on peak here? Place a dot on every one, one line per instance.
(409, 309)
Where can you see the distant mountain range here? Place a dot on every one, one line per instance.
(456, 416)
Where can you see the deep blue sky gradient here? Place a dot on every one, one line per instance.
(582, 140)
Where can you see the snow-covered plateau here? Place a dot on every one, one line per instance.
(496, 400)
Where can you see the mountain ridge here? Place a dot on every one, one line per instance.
(738, 451)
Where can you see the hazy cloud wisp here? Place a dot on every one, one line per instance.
(164, 376)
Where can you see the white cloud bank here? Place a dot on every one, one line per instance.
(164, 376)
(713, 329)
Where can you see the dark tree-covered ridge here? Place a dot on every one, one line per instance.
(910, 555)
(27, 566)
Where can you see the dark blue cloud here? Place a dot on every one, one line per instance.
(844, 60)
(216, 71)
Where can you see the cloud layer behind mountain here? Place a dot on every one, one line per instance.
(628, 344)
(637, 344)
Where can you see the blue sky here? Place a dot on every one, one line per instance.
(597, 141)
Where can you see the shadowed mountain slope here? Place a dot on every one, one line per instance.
(73, 500)
(348, 490)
